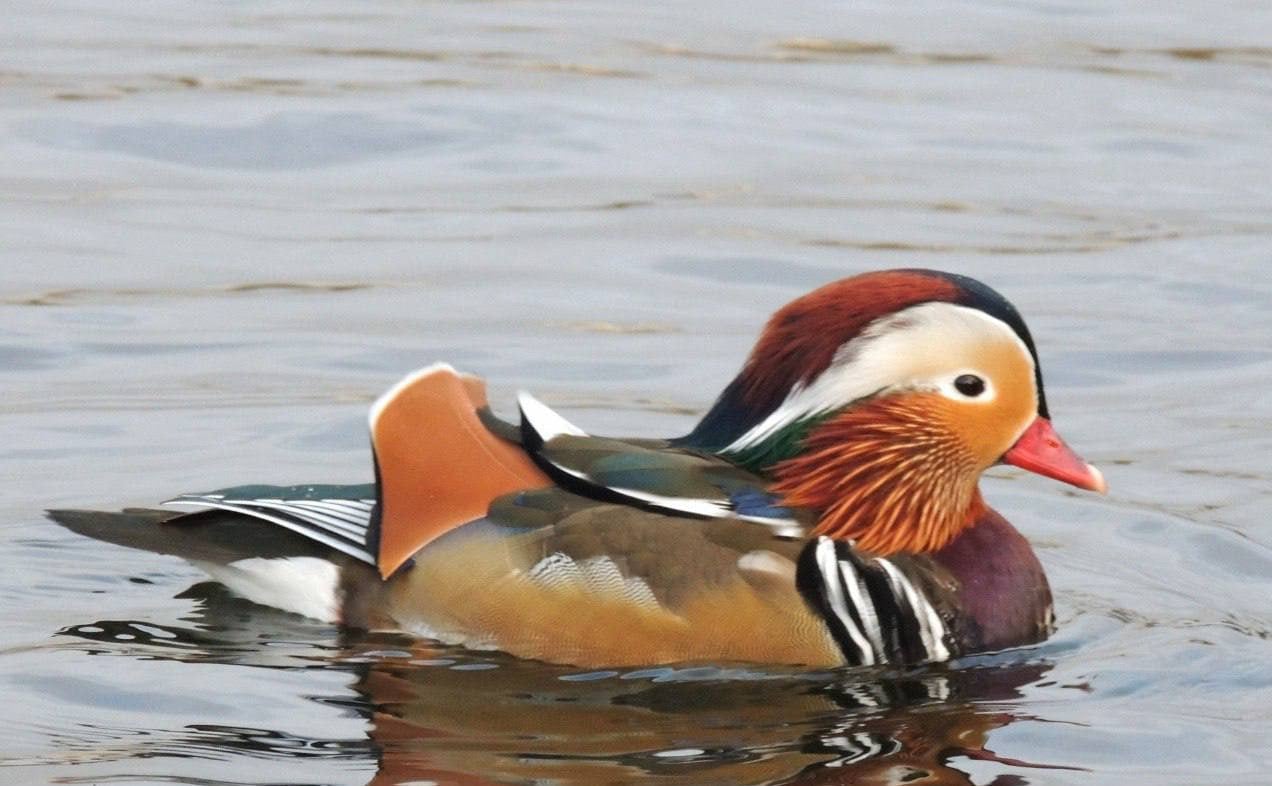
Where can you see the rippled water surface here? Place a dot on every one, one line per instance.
(225, 227)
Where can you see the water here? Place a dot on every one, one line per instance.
(226, 227)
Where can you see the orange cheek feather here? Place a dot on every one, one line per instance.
(989, 428)
(890, 475)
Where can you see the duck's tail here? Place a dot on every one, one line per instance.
(211, 536)
(269, 565)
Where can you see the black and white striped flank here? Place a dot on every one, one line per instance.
(873, 610)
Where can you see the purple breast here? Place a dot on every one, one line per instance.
(1002, 591)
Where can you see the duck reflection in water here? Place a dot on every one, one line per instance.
(692, 725)
(455, 717)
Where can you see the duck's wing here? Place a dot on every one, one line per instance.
(649, 474)
(556, 576)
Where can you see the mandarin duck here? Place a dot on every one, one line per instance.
(825, 511)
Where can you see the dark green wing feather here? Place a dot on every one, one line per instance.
(649, 474)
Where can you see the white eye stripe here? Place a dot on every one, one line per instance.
(897, 352)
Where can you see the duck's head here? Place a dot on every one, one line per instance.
(877, 401)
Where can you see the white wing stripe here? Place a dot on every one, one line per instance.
(347, 506)
(546, 423)
(333, 525)
(325, 538)
(355, 516)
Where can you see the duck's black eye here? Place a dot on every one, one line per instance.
(970, 385)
